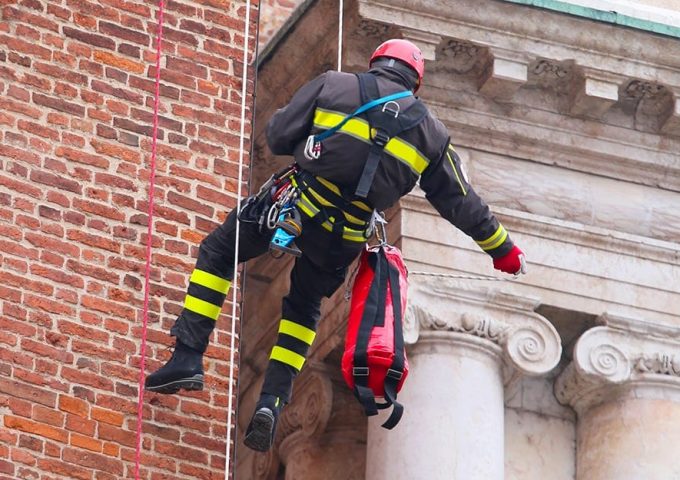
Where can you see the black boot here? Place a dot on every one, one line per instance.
(262, 428)
(183, 370)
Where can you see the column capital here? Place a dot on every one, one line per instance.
(505, 323)
(308, 414)
(620, 356)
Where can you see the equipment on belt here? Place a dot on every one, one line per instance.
(374, 362)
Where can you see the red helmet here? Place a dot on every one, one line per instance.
(405, 51)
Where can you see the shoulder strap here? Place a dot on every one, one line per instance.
(384, 125)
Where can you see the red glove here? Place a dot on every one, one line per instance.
(512, 262)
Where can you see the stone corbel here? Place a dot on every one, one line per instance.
(307, 415)
(593, 93)
(623, 355)
(426, 41)
(504, 73)
(670, 119)
(502, 323)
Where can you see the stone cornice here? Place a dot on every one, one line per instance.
(529, 344)
(569, 232)
(621, 356)
(585, 77)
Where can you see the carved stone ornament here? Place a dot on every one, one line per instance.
(621, 356)
(308, 413)
(530, 344)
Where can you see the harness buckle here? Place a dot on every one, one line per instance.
(312, 148)
(360, 371)
(380, 137)
(394, 374)
(393, 110)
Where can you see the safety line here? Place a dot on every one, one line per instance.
(149, 232)
(466, 277)
(340, 19)
(244, 90)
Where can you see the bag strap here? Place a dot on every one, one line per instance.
(375, 304)
(396, 370)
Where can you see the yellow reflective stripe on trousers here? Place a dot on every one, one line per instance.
(298, 331)
(358, 128)
(288, 357)
(208, 280)
(202, 307)
(495, 240)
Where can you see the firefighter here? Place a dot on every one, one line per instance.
(347, 166)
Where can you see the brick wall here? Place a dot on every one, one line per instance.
(76, 102)
(274, 14)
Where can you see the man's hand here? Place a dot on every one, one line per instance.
(513, 262)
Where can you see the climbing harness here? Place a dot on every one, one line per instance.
(313, 145)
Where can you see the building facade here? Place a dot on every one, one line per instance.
(76, 102)
(567, 117)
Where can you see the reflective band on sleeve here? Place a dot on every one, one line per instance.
(358, 128)
(495, 240)
(295, 330)
(202, 307)
(453, 165)
(288, 357)
(208, 280)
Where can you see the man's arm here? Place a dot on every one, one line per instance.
(448, 190)
(292, 124)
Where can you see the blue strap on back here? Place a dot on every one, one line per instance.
(366, 106)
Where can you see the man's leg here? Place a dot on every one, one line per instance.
(208, 286)
(309, 283)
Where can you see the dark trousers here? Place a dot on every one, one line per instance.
(318, 273)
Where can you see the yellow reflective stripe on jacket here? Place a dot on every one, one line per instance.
(310, 210)
(202, 307)
(326, 203)
(288, 357)
(208, 280)
(495, 240)
(298, 331)
(359, 128)
(333, 188)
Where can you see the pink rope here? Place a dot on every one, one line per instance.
(149, 232)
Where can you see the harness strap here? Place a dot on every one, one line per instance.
(308, 181)
(384, 124)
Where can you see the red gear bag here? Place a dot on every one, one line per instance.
(374, 363)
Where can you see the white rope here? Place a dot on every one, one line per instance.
(340, 18)
(465, 277)
(234, 283)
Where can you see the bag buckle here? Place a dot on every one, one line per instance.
(360, 371)
(395, 374)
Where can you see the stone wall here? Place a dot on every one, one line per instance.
(76, 102)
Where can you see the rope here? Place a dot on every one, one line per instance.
(149, 232)
(340, 19)
(466, 277)
(244, 85)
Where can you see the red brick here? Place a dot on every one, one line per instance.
(60, 73)
(42, 241)
(16, 44)
(35, 428)
(133, 36)
(82, 157)
(57, 181)
(93, 39)
(119, 62)
(48, 416)
(64, 469)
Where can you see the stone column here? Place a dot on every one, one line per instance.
(624, 384)
(466, 345)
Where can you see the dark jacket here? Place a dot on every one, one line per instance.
(422, 152)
